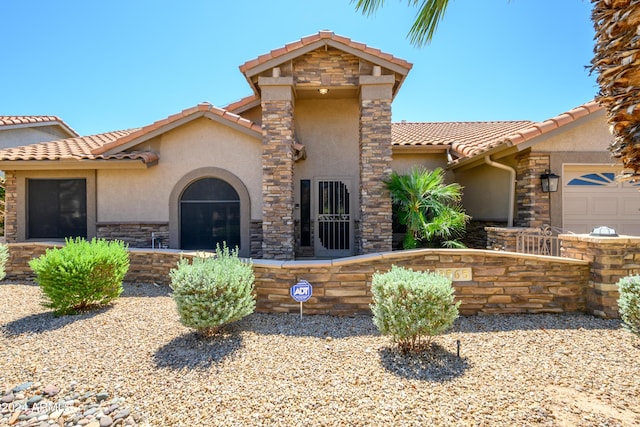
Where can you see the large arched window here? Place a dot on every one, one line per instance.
(209, 215)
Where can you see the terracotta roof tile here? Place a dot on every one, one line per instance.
(530, 132)
(78, 148)
(451, 133)
(29, 120)
(322, 35)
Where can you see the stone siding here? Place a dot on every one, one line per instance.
(533, 204)
(330, 67)
(375, 229)
(277, 183)
(611, 258)
(10, 207)
(136, 235)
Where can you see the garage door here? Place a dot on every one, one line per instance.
(592, 197)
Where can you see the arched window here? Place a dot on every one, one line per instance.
(209, 215)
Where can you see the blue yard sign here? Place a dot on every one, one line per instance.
(301, 291)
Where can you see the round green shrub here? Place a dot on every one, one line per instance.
(81, 274)
(213, 291)
(4, 257)
(411, 305)
(629, 302)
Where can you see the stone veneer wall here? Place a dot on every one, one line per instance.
(476, 234)
(504, 238)
(277, 182)
(611, 258)
(256, 239)
(375, 228)
(533, 204)
(501, 282)
(136, 235)
(10, 208)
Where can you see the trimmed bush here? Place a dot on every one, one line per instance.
(411, 305)
(4, 257)
(82, 274)
(629, 302)
(211, 292)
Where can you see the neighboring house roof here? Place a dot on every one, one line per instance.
(12, 122)
(78, 148)
(324, 38)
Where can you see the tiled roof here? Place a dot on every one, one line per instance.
(197, 111)
(451, 133)
(35, 120)
(323, 35)
(243, 103)
(530, 132)
(75, 148)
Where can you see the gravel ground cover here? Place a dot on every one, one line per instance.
(133, 363)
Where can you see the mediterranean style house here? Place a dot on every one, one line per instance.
(296, 169)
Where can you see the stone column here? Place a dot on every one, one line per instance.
(10, 207)
(277, 167)
(375, 163)
(533, 204)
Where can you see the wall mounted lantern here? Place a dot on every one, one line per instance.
(549, 182)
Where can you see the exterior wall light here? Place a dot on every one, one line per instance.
(323, 91)
(603, 231)
(549, 182)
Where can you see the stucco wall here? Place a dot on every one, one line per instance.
(486, 192)
(403, 162)
(198, 144)
(329, 131)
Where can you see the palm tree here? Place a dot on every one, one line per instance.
(616, 60)
(430, 209)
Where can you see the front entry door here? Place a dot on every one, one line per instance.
(333, 218)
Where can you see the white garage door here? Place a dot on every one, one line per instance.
(592, 197)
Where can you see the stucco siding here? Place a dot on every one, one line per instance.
(485, 193)
(196, 145)
(590, 133)
(329, 131)
(404, 162)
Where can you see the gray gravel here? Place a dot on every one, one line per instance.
(278, 369)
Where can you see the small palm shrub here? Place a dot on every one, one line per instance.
(81, 274)
(412, 305)
(4, 257)
(629, 302)
(211, 292)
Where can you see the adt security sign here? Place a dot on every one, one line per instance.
(301, 291)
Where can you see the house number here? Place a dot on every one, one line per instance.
(456, 274)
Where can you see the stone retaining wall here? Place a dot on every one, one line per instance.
(500, 282)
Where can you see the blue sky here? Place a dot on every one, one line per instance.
(119, 64)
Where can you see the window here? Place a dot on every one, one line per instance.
(57, 208)
(209, 215)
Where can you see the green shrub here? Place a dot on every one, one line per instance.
(629, 302)
(211, 292)
(81, 274)
(4, 257)
(410, 305)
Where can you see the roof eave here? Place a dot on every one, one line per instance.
(75, 164)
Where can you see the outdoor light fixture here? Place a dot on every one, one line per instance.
(603, 231)
(323, 91)
(549, 182)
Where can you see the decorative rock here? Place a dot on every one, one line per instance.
(106, 421)
(33, 400)
(94, 423)
(124, 413)
(51, 390)
(8, 398)
(23, 387)
(102, 396)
